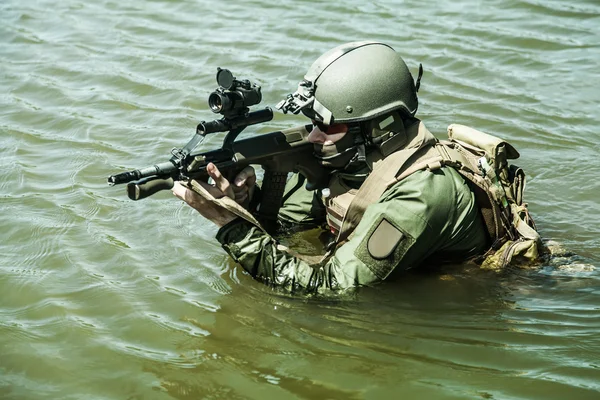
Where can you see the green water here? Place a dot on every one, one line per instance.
(105, 298)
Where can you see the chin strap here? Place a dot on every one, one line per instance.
(360, 141)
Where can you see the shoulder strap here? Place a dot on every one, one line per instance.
(420, 152)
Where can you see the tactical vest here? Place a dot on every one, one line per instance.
(481, 159)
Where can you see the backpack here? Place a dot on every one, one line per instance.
(498, 187)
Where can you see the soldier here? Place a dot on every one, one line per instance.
(362, 100)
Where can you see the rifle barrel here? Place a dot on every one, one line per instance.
(164, 169)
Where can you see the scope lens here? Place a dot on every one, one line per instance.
(215, 102)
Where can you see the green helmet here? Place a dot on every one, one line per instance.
(355, 82)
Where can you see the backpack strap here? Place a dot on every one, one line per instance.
(466, 162)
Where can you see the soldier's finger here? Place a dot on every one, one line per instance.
(245, 176)
(179, 190)
(251, 180)
(251, 191)
(239, 191)
(221, 182)
(215, 191)
(241, 197)
(187, 195)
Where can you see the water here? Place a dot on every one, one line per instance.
(105, 298)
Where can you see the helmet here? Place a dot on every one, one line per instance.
(355, 82)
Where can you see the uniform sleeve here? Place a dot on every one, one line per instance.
(351, 265)
(301, 206)
(261, 256)
(408, 224)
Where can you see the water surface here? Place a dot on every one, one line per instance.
(105, 298)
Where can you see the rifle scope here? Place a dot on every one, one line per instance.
(233, 97)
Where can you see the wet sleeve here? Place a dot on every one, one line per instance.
(262, 257)
(360, 261)
(413, 220)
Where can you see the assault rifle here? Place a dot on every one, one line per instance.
(278, 153)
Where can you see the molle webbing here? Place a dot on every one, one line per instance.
(466, 163)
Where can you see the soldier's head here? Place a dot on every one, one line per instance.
(362, 88)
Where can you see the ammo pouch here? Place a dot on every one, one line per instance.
(483, 160)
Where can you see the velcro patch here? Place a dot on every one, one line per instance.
(384, 247)
(384, 240)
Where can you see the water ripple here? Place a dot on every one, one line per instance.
(91, 280)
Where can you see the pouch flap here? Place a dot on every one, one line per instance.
(488, 143)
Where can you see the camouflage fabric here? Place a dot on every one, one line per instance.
(433, 213)
(301, 206)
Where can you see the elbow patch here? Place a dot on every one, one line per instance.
(384, 247)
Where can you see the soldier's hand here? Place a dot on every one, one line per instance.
(221, 188)
(243, 186)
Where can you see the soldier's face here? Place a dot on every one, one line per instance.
(327, 134)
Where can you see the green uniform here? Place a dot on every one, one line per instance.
(435, 214)
(429, 213)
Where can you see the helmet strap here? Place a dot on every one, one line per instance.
(360, 141)
(346, 154)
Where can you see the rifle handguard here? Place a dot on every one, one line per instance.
(147, 187)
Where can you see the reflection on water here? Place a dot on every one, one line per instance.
(103, 297)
